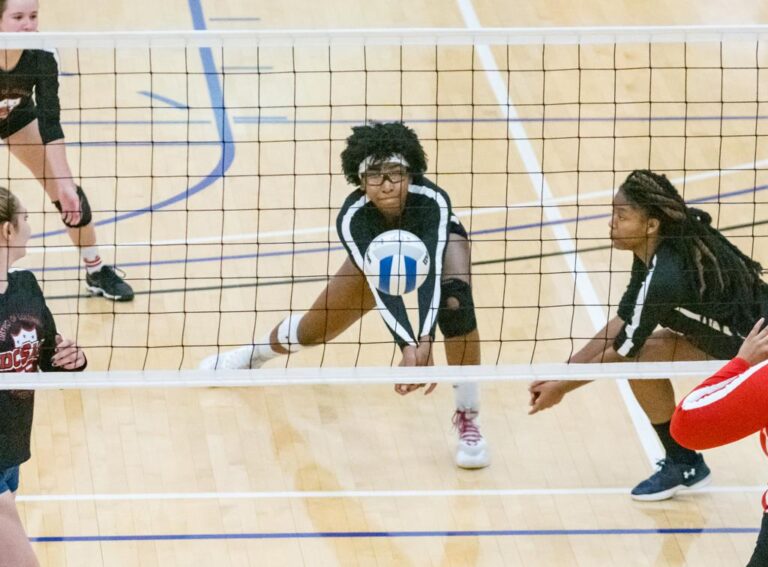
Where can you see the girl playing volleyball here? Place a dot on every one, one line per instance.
(386, 164)
(686, 278)
(28, 343)
(31, 128)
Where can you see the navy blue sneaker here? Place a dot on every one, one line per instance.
(672, 478)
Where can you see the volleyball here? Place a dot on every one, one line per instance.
(396, 262)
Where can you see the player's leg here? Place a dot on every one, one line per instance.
(458, 324)
(344, 300)
(27, 146)
(682, 468)
(15, 549)
(760, 554)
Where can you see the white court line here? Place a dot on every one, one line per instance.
(273, 234)
(351, 494)
(587, 291)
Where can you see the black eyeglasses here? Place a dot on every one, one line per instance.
(377, 177)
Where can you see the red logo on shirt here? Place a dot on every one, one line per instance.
(25, 354)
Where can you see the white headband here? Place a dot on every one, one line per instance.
(370, 160)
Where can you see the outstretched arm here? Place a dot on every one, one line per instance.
(548, 393)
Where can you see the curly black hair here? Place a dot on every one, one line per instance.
(381, 140)
(719, 265)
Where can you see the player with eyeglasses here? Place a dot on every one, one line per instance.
(386, 163)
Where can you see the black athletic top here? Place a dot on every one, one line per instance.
(428, 215)
(27, 343)
(665, 293)
(31, 89)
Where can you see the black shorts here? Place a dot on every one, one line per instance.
(720, 346)
(19, 117)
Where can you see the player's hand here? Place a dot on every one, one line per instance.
(67, 354)
(420, 355)
(754, 349)
(545, 394)
(70, 205)
(405, 389)
(4, 112)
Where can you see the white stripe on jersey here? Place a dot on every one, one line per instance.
(702, 397)
(634, 321)
(442, 229)
(346, 234)
(706, 321)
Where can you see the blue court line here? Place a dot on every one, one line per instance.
(222, 125)
(169, 101)
(336, 248)
(131, 122)
(247, 68)
(275, 119)
(234, 19)
(395, 534)
(143, 143)
(204, 259)
(542, 120)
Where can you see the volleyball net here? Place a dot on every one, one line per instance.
(211, 161)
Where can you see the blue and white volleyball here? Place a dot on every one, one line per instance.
(396, 262)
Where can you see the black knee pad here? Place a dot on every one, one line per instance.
(85, 210)
(459, 320)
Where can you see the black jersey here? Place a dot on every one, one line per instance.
(31, 90)
(27, 343)
(665, 293)
(427, 214)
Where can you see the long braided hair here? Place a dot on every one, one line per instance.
(722, 270)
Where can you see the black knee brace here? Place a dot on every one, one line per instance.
(85, 210)
(457, 320)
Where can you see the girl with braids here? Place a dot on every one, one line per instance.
(29, 342)
(386, 164)
(686, 278)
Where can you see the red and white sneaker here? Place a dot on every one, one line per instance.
(472, 450)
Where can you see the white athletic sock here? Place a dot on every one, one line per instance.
(467, 396)
(91, 258)
(287, 336)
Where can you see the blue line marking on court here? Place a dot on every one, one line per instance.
(263, 120)
(234, 19)
(541, 120)
(132, 122)
(219, 258)
(143, 143)
(395, 534)
(222, 125)
(169, 101)
(335, 248)
(247, 68)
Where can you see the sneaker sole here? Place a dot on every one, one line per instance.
(667, 494)
(98, 291)
(473, 462)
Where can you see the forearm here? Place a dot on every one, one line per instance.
(597, 347)
(56, 164)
